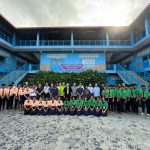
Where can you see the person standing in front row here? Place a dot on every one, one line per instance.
(74, 91)
(61, 91)
(144, 94)
(17, 96)
(3, 94)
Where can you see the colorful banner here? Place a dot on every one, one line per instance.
(71, 67)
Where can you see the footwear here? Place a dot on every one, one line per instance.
(148, 114)
(142, 113)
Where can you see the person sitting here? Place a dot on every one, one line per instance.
(71, 106)
(66, 107)
(79, 106)
(98, 107)
(59, 105)
(92, 103)
(86, 108)
(52, 105)
(34, 106)
(39, 106)
(27, 106)
(104, 107)
(45, 107)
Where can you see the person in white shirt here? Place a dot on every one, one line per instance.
(33, 92)
(91, 89)
(96, 91)
(46, 91)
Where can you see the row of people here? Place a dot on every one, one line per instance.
(57, 107)
(120, 98)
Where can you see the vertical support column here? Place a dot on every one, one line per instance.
(147, 25)
(72, 39)
(14, 38)
(107, 39)
(132, 37)
(38, 39)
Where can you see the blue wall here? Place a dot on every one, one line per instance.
(52, 61)
(9, 62)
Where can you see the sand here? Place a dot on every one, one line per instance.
(115, 132)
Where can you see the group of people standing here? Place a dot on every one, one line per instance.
(95, 100)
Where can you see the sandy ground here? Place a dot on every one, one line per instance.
(122, 132)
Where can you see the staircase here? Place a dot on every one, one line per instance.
(145, 75)
(129, 77)
(15, 75)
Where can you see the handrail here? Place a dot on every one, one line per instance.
(127, 74)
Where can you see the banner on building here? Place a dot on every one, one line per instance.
(71, 67)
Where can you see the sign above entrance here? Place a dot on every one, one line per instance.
(71, 67)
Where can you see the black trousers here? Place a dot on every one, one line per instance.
(148, 106)
(16, 102)
(143, 105)
(127, 105)
(7, 103)
(121, 105)
(111, 104)
(3, 101)
(115, 103)
(46, 96)
(11, 98)
(134, 105)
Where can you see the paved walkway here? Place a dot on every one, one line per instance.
(19, 132)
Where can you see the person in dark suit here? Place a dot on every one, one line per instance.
(67, 92)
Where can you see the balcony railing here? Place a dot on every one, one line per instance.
(55, 42)
(5, 37)
(90, 42)
(25, 42)
(120, 42)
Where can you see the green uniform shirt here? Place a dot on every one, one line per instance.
(107, 93)
(128, 92)
(80, 103)
(76, 102)
(111, 93)
(119, 93)
(99, 103)
(86, 105)
(92, 102)
(65, 103)
(144, 94)
(115, 92)
(70, 103)
(135, 92)
(103, 93)
(123, 94)
(104, 104)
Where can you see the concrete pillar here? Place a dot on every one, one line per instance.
(107, 39)
(147, 25)
(72, 40)
(38, 39)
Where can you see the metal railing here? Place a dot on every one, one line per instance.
(90, 42)
(145, 76)
(25, 43)
(11, 77)
(127, 75)
(5, 37)
(54, 42)
(120, 42)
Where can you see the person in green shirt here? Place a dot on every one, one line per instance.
(79, 106)
(118, 98)
(111, 98)
(144, 94)
(91, 103)
(104, 107)
(98, 107)
(134, 98)
(86, 108)
(122, 99)
(72, 107)
(128, 102)
(115, 88)
(61, 90)
(66, 107)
